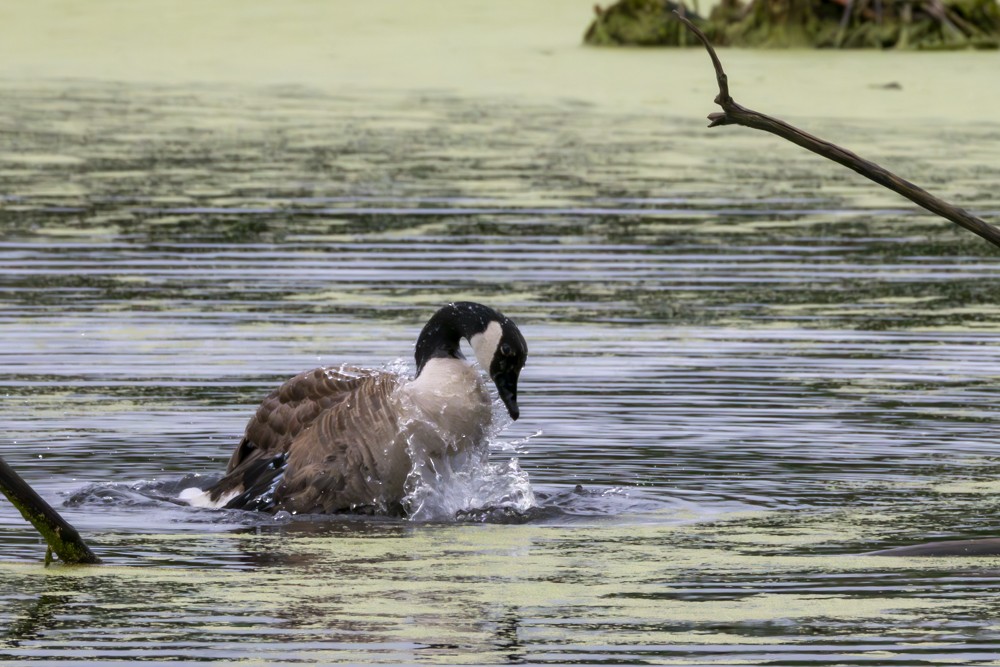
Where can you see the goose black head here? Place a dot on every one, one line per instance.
(498, 344)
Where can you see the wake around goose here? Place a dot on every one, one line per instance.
(346, 439)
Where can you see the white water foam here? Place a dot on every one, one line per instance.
(440, 487)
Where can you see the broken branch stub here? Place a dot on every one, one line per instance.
(735, 114)
(61, 537)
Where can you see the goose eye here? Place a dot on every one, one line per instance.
(505, 350)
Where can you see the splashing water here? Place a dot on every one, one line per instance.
(462, 480)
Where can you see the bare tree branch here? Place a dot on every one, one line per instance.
(734, 114)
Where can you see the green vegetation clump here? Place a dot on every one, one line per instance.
(641, 23)
(882, 24)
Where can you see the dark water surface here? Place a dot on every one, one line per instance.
(754, 365)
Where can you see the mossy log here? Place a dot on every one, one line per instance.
(882, 24)
(62, 538)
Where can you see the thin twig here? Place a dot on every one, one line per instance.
(734, 114)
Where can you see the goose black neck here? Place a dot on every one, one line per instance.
(441, 336)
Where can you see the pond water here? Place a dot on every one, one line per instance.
(747, 367)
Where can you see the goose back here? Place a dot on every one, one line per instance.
(304, 447)
(294, 406)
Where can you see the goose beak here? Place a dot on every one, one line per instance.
(507, 388)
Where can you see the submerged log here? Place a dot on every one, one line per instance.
(880, 24)
(62, 538)
(989, 546)
(735, 114)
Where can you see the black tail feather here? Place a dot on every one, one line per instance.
(258, 478)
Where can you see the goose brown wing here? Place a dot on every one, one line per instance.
(347, 460)
(293, 407)
(282, 416)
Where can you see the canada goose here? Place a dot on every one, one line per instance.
(346, 439)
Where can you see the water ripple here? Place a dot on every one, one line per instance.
(743, 371)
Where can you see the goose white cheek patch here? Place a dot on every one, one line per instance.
(485, 344)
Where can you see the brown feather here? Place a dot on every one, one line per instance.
(296, 429)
